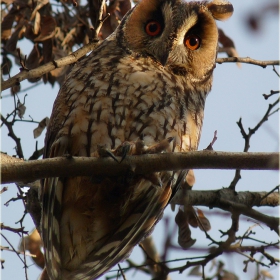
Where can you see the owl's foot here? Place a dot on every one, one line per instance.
(138, 147)
(102, 151)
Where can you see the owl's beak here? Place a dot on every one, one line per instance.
(162, 58)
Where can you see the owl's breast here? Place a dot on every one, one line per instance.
(107, 104)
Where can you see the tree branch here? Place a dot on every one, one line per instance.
(212, 197)
(41, 70)
(248, 60)
(75, 56)
(229, 200)
(89, 166)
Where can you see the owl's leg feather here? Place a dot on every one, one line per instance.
(159, 147)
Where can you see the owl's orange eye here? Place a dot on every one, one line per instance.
(192, 42)
(153, 28)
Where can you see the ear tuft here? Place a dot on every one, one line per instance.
(221, 10)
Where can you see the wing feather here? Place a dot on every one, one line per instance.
(138, 225)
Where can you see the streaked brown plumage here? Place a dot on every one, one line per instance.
(148, 79)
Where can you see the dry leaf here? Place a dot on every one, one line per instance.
(228, 276)
(33, 243)
(59, 73)
(70, 35)
(40, 4)
(195, 271)
(47, 26)
(47, 50)
(266, 274)
(184, 234)
(29, 34)
(228, 45)
(20, 109)
(15, 89)
(11, 44)
(37, 23)
(190, 178)
(191, 217)
(7, 2)
(41, 126)
(124, 6)
(204, 222)
(6, 65)
(33, 59)
(7, 24)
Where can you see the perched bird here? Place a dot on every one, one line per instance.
(142, 90)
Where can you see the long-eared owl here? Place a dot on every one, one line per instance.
(142, 90)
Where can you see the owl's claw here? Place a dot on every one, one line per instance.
(104, 152)
(125, 151)
(137, 147)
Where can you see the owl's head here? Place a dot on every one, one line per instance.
(175, 33)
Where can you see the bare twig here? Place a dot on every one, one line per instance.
(13, 249)
(11, 133)
(210, 146)
(248, 60)
(247, 137)
(15, 230)
(122, 273)
(275, 71)
(19, 252)
(272, 92)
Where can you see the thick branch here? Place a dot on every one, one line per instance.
(248, 60)
(212, 197)
(229, 200)
(88, 166)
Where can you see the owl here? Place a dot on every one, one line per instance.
(142, 90)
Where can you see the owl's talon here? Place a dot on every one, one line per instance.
(104, 152)
(154, 178)
(125, 149)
